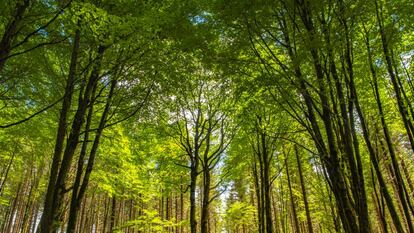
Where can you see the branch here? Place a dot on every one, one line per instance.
(217, 195)
(181, 165)
(131, 114)
(34, 47)
(31, 116)
(276, 175)
(42, 27)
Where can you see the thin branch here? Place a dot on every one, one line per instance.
(31, 116)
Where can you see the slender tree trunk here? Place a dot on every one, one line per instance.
(74, 204)
(6, 173)
(362, 202)
(193, 186)
(113, 212)
(267, 183)
(275, 213)
(373, 155)
(258, 197)
(378, 206)
(400, 183)
(408, 178)
(46, 224)
(73, 140)
(329, 153)
(292, 200)
(206, 199)
(397, 89)
(13, 209)
(302, 185)
(82, 189)
(262, 200)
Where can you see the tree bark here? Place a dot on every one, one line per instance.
(193, 186)
(46, 223)
(292, 200)
(10, 31)
(78, 197)
(304, 193)
(206, 200)
(373, 155)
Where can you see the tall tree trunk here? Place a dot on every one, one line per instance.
(258, 197)
(329, 153)
(193, 186)
(408, 178)
(113, 213)
(397, 89)
(292, 200)
(362, 202)
(395, 166)
(373, 155)
(46, 223)
(267, 183)
(73, 140)
(206, 199)
(275, 213)
(6, 172)
(378, 206)
(304, 194)
(74, 204)
(83, 186)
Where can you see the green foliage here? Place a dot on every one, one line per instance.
(148, 222)
(240, 214)
(245, 73)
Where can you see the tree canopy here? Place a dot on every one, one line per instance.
(206, 116)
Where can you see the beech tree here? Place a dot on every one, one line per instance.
(206, 116)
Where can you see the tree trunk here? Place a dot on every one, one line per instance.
(46, 223)
(113, 212)
(6, 173)
(193, 185)
(74, 204)
(206, 200)
(397, 89)
(72, 142)
(373, 155)
(10, 31)
(77, 197)
(292, 200)
(302, 185)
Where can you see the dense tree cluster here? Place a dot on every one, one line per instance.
(206, 116)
